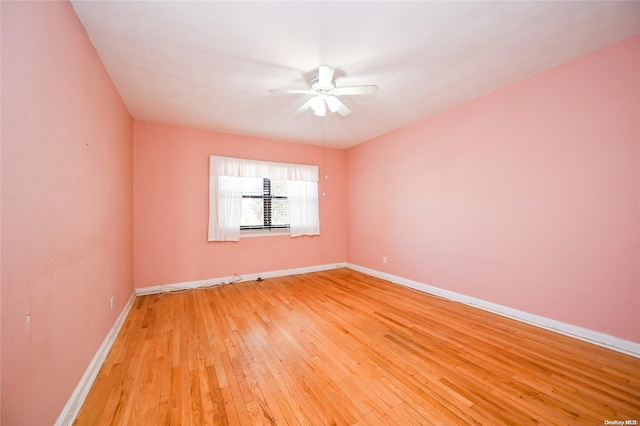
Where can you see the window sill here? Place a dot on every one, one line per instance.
(251, 233)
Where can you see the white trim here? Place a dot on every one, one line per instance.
(253, 233)
(601, 339)
(190, 285)
(70, 410)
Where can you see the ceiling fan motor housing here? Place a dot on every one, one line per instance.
(322, 90)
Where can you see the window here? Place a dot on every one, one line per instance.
(250, 194)
(264, 204)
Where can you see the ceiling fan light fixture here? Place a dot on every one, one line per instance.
(318, 106)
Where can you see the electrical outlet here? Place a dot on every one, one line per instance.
(384, 259)
(112, 298)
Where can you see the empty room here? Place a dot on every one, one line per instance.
(318, 212)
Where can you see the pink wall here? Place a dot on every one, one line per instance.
(0, 218)
(528, 197)
(66, 208)
(171, 181)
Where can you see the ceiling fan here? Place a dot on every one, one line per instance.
(325, 93)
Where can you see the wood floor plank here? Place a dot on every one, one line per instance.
(340, 347)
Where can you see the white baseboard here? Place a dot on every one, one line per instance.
(595, 337)
(189, 285)
(70, 410)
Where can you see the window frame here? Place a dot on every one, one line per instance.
(225, 196)
(267, 198)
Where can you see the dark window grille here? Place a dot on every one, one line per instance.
(275, 208)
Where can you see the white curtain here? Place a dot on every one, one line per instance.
(225, 194)
(228, 166)
(303, 208)
(225, 208)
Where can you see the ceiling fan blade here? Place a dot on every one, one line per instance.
(325, 75)
(293, 91)
(343, 110)
(356, 90)
(305, 106)
(335, 105)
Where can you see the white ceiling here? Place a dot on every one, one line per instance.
(210, 64)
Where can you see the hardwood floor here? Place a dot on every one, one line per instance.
(340, 347)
